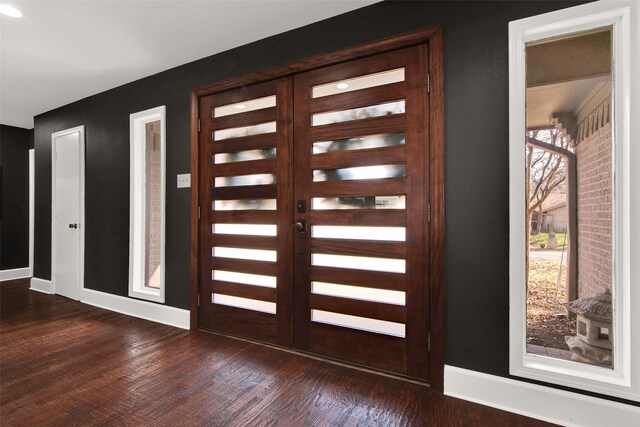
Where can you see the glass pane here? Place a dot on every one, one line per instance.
(379, 110)
(245, 229)
(244, 278)
(245, 106)
(361, 172)
(360, 143)
(153, 193)
(569, 134)
(270, 127)
(239, 180)
(246, 303)
(359, 293)
(359, 202)
(395, 234)
(241, 156)
(245, 204)
(250, 254)
(356, 83)
(360, 323)
(359, 263)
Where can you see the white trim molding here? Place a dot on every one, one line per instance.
(624, 379)
(32, 205)
(536, 401)
(142, 309)
(41, 285)
(137, 203)
(25, 272)
(15, 273)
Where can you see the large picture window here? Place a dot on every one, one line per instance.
(571, 197)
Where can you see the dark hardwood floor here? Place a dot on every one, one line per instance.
(66, 363)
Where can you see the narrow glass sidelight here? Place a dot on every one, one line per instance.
(386, 109)
(246, 155)
(359, 172)
(358, 83)
(359, 143)
(245, 204)
(384, 296)
(391, 234)
(242, 180)
(359, 202)
(360, 323)
(244, 303)
(269, 127)
(245, 106)
(147, 201)
(572, 197)
(246, 229)
(570, 171)
(244, 278)
(359, 263)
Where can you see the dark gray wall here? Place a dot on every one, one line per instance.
(477, 181)
(14, 226)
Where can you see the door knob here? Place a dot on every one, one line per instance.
(73, 225)
(300, 226)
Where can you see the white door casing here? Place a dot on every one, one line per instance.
(67, 212)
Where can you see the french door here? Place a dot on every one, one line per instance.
(314, 226)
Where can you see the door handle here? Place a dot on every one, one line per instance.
(300, 226)
(73, 225)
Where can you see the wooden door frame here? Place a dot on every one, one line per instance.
(432, 35)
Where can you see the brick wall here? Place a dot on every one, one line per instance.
(153, 208)
(594, 163)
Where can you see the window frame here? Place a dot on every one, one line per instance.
(137, 196)
(624, 379)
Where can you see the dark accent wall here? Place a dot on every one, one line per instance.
(14, 225)
(476, 134)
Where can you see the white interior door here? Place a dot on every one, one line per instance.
(67, 212)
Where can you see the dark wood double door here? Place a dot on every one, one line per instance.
(314, 198)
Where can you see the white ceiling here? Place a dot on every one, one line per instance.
(63, 51)
(546, 100)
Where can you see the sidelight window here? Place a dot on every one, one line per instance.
(147, 199)
(571, 197)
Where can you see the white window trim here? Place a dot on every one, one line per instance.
(624, 380)
(137, 177)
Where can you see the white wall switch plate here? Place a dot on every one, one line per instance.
(184, 180)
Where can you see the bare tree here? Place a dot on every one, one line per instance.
(545, 172)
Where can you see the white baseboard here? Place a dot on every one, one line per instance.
(16, 273)
(143, 309)
(41, 285)
(535, 401)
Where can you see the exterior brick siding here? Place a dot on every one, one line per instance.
(153, 208)
(594, 167)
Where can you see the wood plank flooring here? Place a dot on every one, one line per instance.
(64, 363)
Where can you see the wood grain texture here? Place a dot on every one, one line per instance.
(358, 98)
(245, 119)
(244, 291)
(368, 279)
(251, 142)
(369, 248)
(354, 307)
(355, 158)
(436, 189)
(388, 217)
(66, 363)
(244, 168)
